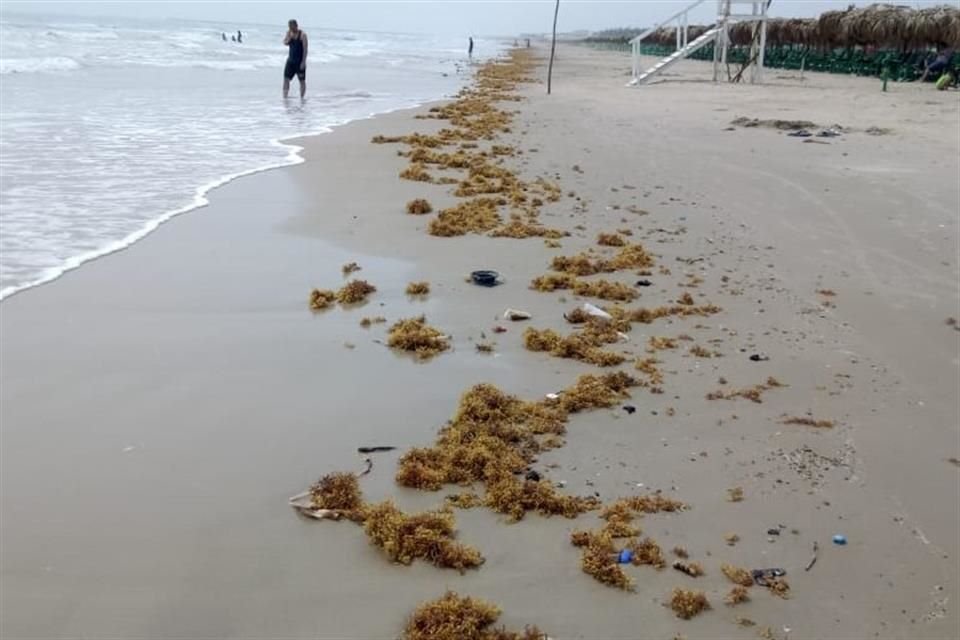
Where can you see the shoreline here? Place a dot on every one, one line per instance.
(200, 200)
(160, 406)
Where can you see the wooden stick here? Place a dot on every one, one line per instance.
(553, 47)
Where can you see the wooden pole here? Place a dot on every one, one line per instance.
(553, 47)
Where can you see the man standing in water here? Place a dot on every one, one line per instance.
(470, 48)
(296, 65)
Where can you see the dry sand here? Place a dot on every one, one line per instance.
(159, 405)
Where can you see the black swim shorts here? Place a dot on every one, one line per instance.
(293, 69)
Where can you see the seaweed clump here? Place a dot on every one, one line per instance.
(582, 346)
(737, 575)
(427, 535)
(630, 256)
(416, 336)
(403, 537)
(367, 322)
(416, 172)
(461, 618)
(737, 595)
(599, 559)
(355, 291)
(477, 215)
(337, 491)
(418, 288)
(419, 207)
(754, 393)
(610, 240)
(322, 299)
(349, 268)
(687, 603)
(494, 436)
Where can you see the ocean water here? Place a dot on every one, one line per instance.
(110, 127)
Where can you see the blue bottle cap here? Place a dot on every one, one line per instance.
(839, 539)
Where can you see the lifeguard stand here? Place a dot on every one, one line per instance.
(719, 34)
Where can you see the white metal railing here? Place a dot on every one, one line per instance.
(683, 23)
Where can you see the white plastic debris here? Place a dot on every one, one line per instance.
(516, 314)
(595, 311)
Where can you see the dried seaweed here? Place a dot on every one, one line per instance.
(646, 315)
(692, 569)
(582, 346)
(464, 500)
(687, 603)
(808, 422)
(552, 282)
(461, 618)
(599, 559)
(520, 229)
(610, 240)
(737, 595)
(648, 366)
(778, 587)
(418, 288)
(355, 291)
(366, 322)
(349, 268)
(476, 215)
(338, 491)
(737, 575)
(701, 352)
(597, 392)
(322, 299)
(416, 336)
(428, 535)
(658, 343)
(604, 289)
(648, 552)
(735, 494)
(515, 498)
(419, 207)
(754, 393)
(416, 172)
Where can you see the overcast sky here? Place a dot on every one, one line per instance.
(492, 17)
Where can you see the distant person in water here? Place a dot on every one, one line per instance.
(296, 65)
(470, 48)
(223, 36)
(233, 38)
(239, 36)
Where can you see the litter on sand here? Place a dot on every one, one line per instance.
(485, 278)
(374, 449)
(802, 133)
(516, 314)
(764, 577)
(595, 311)
(813, 558)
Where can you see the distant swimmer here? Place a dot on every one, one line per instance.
(470, 48)
(296, 65)
(239, 36)
(224, 36)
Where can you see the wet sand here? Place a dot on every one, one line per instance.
(159, 405)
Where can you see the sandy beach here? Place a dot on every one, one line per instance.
(159, 405)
